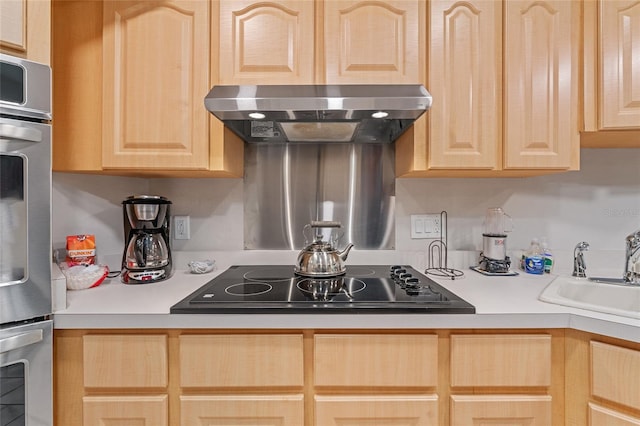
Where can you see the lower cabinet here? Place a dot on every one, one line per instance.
(499, 378)
(164, 377)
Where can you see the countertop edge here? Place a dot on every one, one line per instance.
(361, 322)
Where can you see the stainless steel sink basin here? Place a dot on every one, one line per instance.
(610, 296)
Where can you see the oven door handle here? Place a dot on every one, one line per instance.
(11, 132)
(20, 340)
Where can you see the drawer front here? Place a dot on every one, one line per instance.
(611, 374)
(498, 360)
(376, 360)
(129, 361)
(241, 360)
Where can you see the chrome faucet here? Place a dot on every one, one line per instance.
(579, 266)
(632, 247)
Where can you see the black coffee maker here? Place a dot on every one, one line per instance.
(147, 252)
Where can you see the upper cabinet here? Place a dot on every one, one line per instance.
(333, 42)
(612, 73)
(153, 113)
(266, 42)
(373, 42)
(504, 79)
(130, 79)
(25, 27)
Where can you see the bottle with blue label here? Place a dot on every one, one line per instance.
(533, 259)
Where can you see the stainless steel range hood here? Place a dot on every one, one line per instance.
(318, 113)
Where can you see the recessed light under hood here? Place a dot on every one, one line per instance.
(319, 113)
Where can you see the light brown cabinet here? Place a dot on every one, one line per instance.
(333, 42)
(322, 377)
(25, 29)
(153, 115)
(120, 106)
(113, 377)
(504, 78)
(516, 366)
(611, 74)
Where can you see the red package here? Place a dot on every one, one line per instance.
(81, 250)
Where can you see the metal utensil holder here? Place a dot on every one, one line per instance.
(438, 254)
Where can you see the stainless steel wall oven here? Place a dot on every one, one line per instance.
(25, 243)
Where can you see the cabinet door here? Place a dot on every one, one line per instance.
(374, 42)
(619, 89)
(125, 410)
(465, 62)
(513, 410)
(541, 84)
(25, 29)
(270, 42)
(397, 410)
(241, 410)
(155, 76)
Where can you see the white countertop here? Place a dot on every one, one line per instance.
(500, 302)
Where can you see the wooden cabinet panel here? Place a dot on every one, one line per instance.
(13, 24)
(241, 410)
(266, 42)
(25, 29)
(602, 416)
(396, 410)
(156, 73)
(374, 42)
(241, 360)
(375, 360)
(611, 374)
(496, 360)
(125, 410)
(514, 410)
(620, 64)
(541, 78)
(125, 361)
(465, 82)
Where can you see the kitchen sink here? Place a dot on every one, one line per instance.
(608, 297)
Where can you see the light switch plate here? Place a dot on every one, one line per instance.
(426, 226)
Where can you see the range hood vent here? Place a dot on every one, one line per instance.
(318, 113)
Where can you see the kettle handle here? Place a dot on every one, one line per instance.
(325, 224)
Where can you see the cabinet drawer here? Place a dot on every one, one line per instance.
(611, 374)
(241, 360)
(376, 360)
(498, 360)
(125, 361)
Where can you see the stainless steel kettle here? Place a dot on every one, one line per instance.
(320, 258)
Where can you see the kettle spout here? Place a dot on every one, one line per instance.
(343, 255)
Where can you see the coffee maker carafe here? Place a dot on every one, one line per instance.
(147, 252)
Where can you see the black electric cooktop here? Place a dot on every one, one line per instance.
(363, 289)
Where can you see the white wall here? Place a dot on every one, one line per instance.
(599, 204)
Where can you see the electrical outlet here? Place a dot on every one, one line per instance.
(426, 226)
(181, 228)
